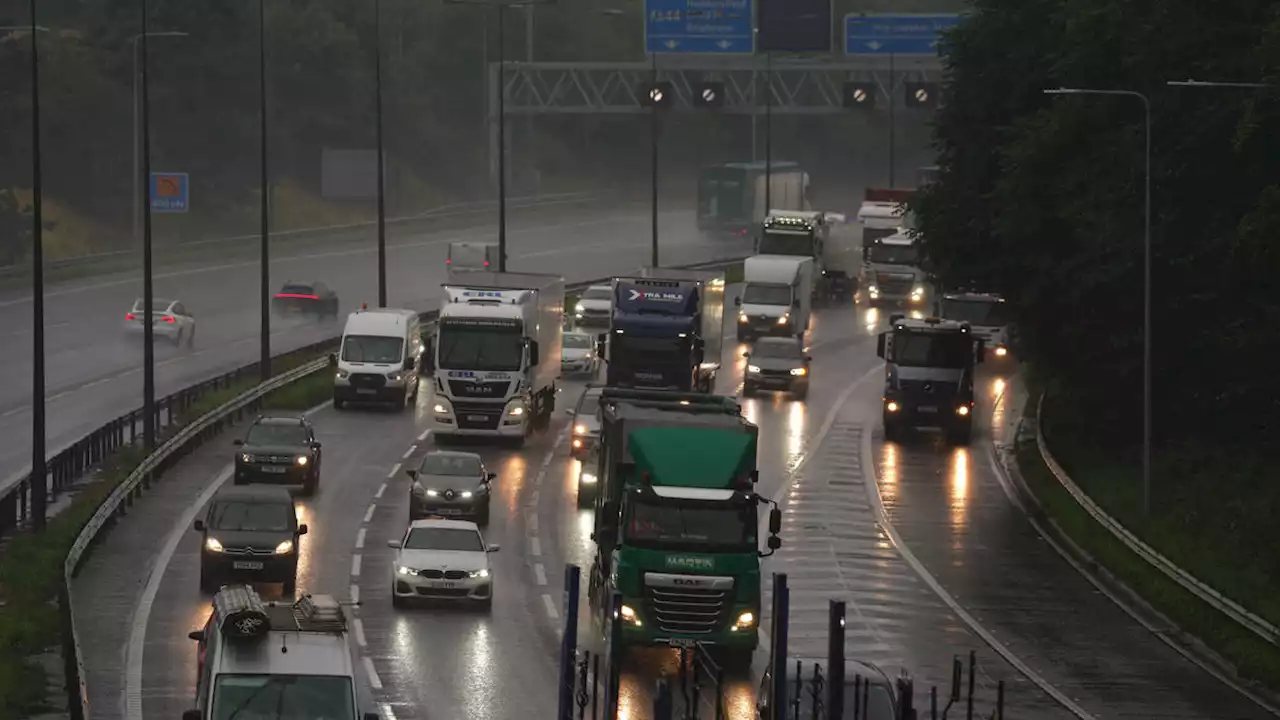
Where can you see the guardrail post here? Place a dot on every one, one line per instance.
(835, 659)
(662, 705)
(70, 660)
(614, 677)
(569, 640)
(973, 660)
(778, 646)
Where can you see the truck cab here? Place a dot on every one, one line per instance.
(986, 313)
(665, 330)
(892, 272)
(929, 376)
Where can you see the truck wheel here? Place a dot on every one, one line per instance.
(892, 431)
(961, 433)
(482, 517)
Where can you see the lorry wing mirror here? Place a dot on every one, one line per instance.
(197, 635)
(795, 303)
(774, 542)
(737, 302)
(880, 345)
(775, 521)
(533, 352)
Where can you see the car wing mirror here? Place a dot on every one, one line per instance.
(412, 474)
(315, 446)
(302, 529)
(199, 526)
(493, 548)
(490, 477)
(393, 544)
(238, 442)
(197, 635)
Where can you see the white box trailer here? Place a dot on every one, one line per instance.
(467, 256)
(777, 296)
(498, 346)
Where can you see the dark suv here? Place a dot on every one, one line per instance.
(279, 450)
(249, 533)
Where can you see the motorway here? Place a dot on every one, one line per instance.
(94, 372)
(919, 539)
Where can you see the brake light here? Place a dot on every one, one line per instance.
(448, 261)
(486, 263)
(298, 296)
(168, 318)
(130, 316)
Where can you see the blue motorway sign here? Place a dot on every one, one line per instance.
(895, 34)
(170, 192)
(718, 27)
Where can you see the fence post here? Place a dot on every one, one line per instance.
(614, 676)
(662, 705)
(778, 651)
(973, 660)
(835, 659)
(569, 641)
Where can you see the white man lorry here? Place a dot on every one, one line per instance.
(777, 296)
(498, 343)
(892, 272)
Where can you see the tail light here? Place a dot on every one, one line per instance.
(448, 261)
(130, 316)
(486, 263)
(168, 318)
(298, 296)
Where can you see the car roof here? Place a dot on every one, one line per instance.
(441, 523)
(454, 453)
(255, 492)
(156, 301)
(280, 420)
(306, 283)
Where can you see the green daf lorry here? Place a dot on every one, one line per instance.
(677, 521)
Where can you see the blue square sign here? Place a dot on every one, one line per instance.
(170, 192)
(719, 27)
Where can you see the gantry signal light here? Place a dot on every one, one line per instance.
(859, 95)
(708, 94)
(922, 95)
(657, 95)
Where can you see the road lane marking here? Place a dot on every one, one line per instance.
(387, 712)
(547, 460)
(354, 592)
(381, 489)
(533, 497)
(423, 436)
(551, 607)
(535, 546)
(360, 539)
(533, 521)
(357, 628)
(375, 682)
(537, 480)
(355, 565)
(395, 470)
(368, 514)
(412, 449)
(540, 573)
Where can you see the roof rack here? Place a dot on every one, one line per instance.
(319, 613)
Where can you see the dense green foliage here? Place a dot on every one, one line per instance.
(1041, 199)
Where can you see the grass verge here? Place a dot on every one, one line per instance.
(31, 564)
(1177, 529)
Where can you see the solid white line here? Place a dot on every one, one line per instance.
(387, 712)
(360, 539)
(540, 574)
(535, 546)
(551, 606)
(375, 682)
(412, 449)
(368, 514)
(395, 470)
(381, 489)
(354, 592)
(357, 628)
(886, 524)
(355, 565)
(424, 434)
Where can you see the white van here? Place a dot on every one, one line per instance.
(379, 358)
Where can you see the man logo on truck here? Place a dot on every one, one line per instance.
(659, 296)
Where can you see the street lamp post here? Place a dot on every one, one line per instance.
(382, 206)
(264, 208)
(148, 289)
(1146, 280)
(137, 141)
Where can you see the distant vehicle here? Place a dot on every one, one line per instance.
(442, 560)
(249, 533)
(379, 359)
(928, 370)
(892, 273)
(306, 298)
(467, 255)
(578, 355)
(451, 484)
(775, 363)
(731, 196)
(170, 319)
(594, 306)
(279, 450)
(777, 298)
(586, 422)
(986, 313)
(878, 698)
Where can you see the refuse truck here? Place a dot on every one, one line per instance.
(676, 522)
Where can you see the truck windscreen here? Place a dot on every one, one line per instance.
(720, 197)
(466, 346)
(776, 243)
(661, 523)
(766, 295)
(893, 254)
(982, 313)
(936, 350)
(282, 697)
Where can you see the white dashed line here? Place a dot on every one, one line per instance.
(412, 449)
(537, 480)
(547, 460)
(15, 411)
(540, 574)
(355, 565)
(395, 470)
(381, 489)
(551, 607)
(424, 435)
(375, 682)
(387, 712)
(368, 514)
(559, 439)
(533, 498)
(354, 591)
(357, 628)
(360, 539)
(535, 546)
(533, 522)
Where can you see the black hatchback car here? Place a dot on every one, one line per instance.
(306, 298)
(451, 485)
(279, 450)
(250, 534)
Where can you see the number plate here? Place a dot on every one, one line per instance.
(927, 409)
(366, 391)
(449, 511)
(246, 565)
(444, 584)
(273, 469)
(681, 642)
(477, 418)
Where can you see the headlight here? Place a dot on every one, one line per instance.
(342, 374)
(440, 409)
(401, 569)
(587, 478)
(578, 309)
(746, 620)
(284, 548)
(798, 371)
(753, 368)
(246, 457)
(891, 406)
(579, 429)
(785, 317)
(432, 493)
(1002, 351)
(742, 317)
(917, 291)
(516, 411)
(962, 411)
(466, 494)
(874, 290)
(395, 376)
(484, 573)
(212, 545)
(301, 460)
(629, 614)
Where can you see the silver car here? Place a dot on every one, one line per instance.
(586, 422)
(777, 364)
(169, 319)
(578, 355)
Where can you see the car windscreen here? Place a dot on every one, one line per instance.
(459, 465)
(297, 290)
(777, 243)
(282, 697)
(784, 351)
(443, 538)
(372, 349)
(249, 515)
(766, 295)
(270, 434)
(578, 342)
(601, 293)
(156, 305)
(893, 254)
(590, 402)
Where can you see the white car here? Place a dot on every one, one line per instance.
(578, 355)
(170, 319)
(442, 560)
(595, 306)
